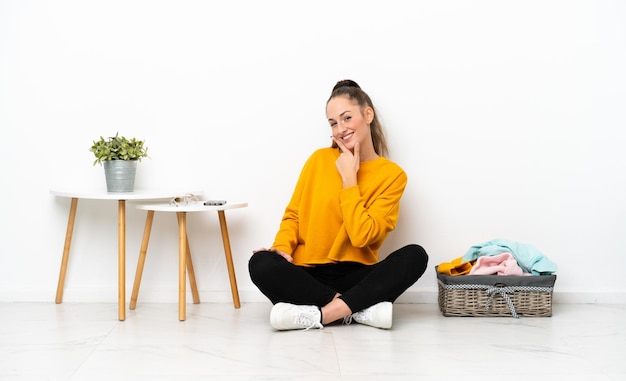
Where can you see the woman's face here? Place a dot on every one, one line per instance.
(348, 122)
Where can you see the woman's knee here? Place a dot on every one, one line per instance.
(414, 256)
(418, 251)
(259, 263)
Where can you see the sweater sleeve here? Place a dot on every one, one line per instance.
(287, 236)
(368, 223)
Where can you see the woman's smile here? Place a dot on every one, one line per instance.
(347, 136)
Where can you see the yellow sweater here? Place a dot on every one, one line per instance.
(324, 223)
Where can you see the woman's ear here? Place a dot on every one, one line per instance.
(369, 114)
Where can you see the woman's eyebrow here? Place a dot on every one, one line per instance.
(340, 115)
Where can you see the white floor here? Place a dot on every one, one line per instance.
(82, 341)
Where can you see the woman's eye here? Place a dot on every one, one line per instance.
(347, 118)
(333, 124)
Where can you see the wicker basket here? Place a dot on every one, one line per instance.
(495, 295)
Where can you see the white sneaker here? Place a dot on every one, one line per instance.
(379, 315)
(285, 316)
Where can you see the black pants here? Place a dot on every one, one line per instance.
(360, 285)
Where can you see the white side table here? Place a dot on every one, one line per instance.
(184, 256)
(121, 199)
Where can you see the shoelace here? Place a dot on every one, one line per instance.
(365, 314)
(306, 320)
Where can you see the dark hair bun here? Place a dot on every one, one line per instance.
(346, 83)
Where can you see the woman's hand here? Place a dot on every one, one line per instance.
(348, 163)
(288, 257)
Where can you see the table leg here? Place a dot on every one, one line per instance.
(229, 258)
(182, 264)
(192, 275)
(142, 259)
(121, 258)
(66, 249)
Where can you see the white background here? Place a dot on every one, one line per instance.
(508, 118)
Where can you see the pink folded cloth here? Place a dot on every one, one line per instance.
(500, 264)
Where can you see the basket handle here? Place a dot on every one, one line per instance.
(503, 290)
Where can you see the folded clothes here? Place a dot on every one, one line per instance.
(527, 256)
(500, 264)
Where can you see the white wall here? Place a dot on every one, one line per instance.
(507, 116)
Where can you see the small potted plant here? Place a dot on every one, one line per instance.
(119, 157)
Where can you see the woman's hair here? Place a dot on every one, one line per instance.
(354, 92)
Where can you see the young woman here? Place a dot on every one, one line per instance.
(323, 265)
